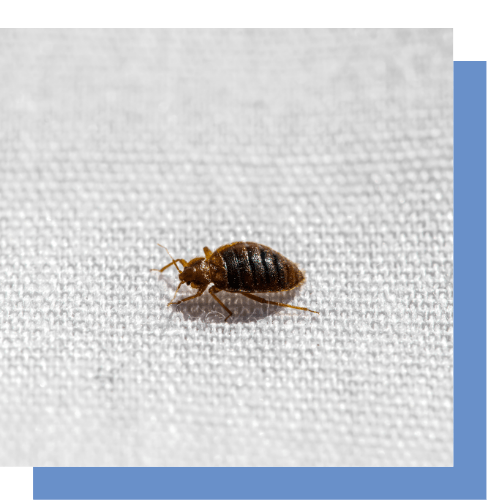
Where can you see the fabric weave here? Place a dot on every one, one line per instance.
(334, 147)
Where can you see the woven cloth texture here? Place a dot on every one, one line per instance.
(333, 147)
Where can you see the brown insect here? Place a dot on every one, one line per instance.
(240, 267)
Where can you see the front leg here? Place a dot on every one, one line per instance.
(197, 294)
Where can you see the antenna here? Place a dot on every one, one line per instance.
(175, 264)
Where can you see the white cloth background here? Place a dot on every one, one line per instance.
(333, 147)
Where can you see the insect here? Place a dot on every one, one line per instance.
(240, 267)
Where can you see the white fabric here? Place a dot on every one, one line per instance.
(332, 147)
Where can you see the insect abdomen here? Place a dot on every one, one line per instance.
(251, 267)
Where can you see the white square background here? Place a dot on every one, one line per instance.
(332, 146)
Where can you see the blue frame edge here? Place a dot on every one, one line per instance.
(470, 272)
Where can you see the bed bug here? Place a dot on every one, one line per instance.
(240, 267)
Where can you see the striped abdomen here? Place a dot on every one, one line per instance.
(251, 267)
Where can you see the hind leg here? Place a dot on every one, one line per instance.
(265, 301)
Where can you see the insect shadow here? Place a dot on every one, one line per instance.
(244, 310)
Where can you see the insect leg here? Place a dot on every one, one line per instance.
(175, 294)
(208, 252)
(212, 291)
(197, 294)
(182, 261)
(265, 301)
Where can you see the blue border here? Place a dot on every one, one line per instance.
(470, 272)
(467, 479)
